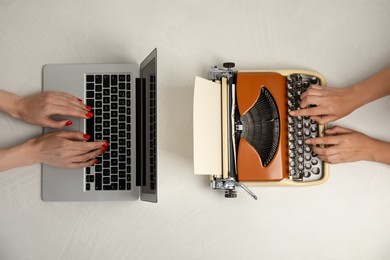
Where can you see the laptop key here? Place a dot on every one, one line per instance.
(114, 79)
(90, 78)
(98, 79)
(121, 77)
(122, 184)
(98, 181)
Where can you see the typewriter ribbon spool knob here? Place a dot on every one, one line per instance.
(229, 65)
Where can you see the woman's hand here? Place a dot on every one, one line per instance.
(66, 149)
(37, 109)
(344, 145)
(330, 103)
(60, 149)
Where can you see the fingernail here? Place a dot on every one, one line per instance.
(79, 100)
(68, 123)
(292, 113)
(105, 145)
(103, 150)
(96, 161)
(88, 108)
(307, 141)
(86, 137)
(89, 115)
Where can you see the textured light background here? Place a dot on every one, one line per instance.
(346, 218)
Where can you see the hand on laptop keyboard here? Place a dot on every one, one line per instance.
(61, 149)
(37, 109)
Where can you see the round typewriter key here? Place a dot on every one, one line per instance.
(299, 133)
(314, 80)
(307, 157)
(314, 161)
(300, 150)
(300, 142)
(307, 165)
(299, 118)
(291, 137)
(300, 159)
(313, 154)
(312, 121)
(292, 163)
(306, 84)
(299, 125)
(300, 167)
(306, 124)
(290, 121)
(307, 132)
(307, 149)
(316, 170)
(307, 174)
(292, 154)
(313, 128)
(292, 146)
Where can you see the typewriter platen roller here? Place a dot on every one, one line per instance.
(243, 134)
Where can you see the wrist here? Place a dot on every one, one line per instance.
(356, 96)
(29, 152)
(10, 103)
(381, 152)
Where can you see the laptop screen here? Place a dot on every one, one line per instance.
(147, 130)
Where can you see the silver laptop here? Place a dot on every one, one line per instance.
(123, 97)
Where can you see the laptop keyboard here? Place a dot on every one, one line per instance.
(110, 97)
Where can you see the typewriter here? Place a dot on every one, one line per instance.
(244, 135)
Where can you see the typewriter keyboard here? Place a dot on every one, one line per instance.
(304, 165)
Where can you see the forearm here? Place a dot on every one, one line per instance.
(381, 152)
(8, 103)
(17, 156)
(373, 88)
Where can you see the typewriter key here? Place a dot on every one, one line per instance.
(316, 170)
(307, 174)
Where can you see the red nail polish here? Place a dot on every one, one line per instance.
(104, 146)
(96, 161)
(103, 150)
(88, 108)
(79, 100)
(86, 137)
(89, 115)
(68, 123)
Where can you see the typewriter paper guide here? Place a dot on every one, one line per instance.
(207, 127)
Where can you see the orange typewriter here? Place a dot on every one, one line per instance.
(243, 134)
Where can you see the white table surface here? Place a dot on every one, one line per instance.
(348, 217)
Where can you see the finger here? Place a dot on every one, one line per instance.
(310, 100)
(84, 157)
(310, 111)
(65, 99)
(85, 147)
(73, 135)
(311, 92)
(337, 130)
(48, 122)
(71, 111)
(83, 164)
(326, 151)
(326, 140)
(332, 159)
(324, 119)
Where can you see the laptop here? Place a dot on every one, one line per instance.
(124, 101)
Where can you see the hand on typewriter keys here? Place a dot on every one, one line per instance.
(345, 145)
(334, 103)
(330, 103)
